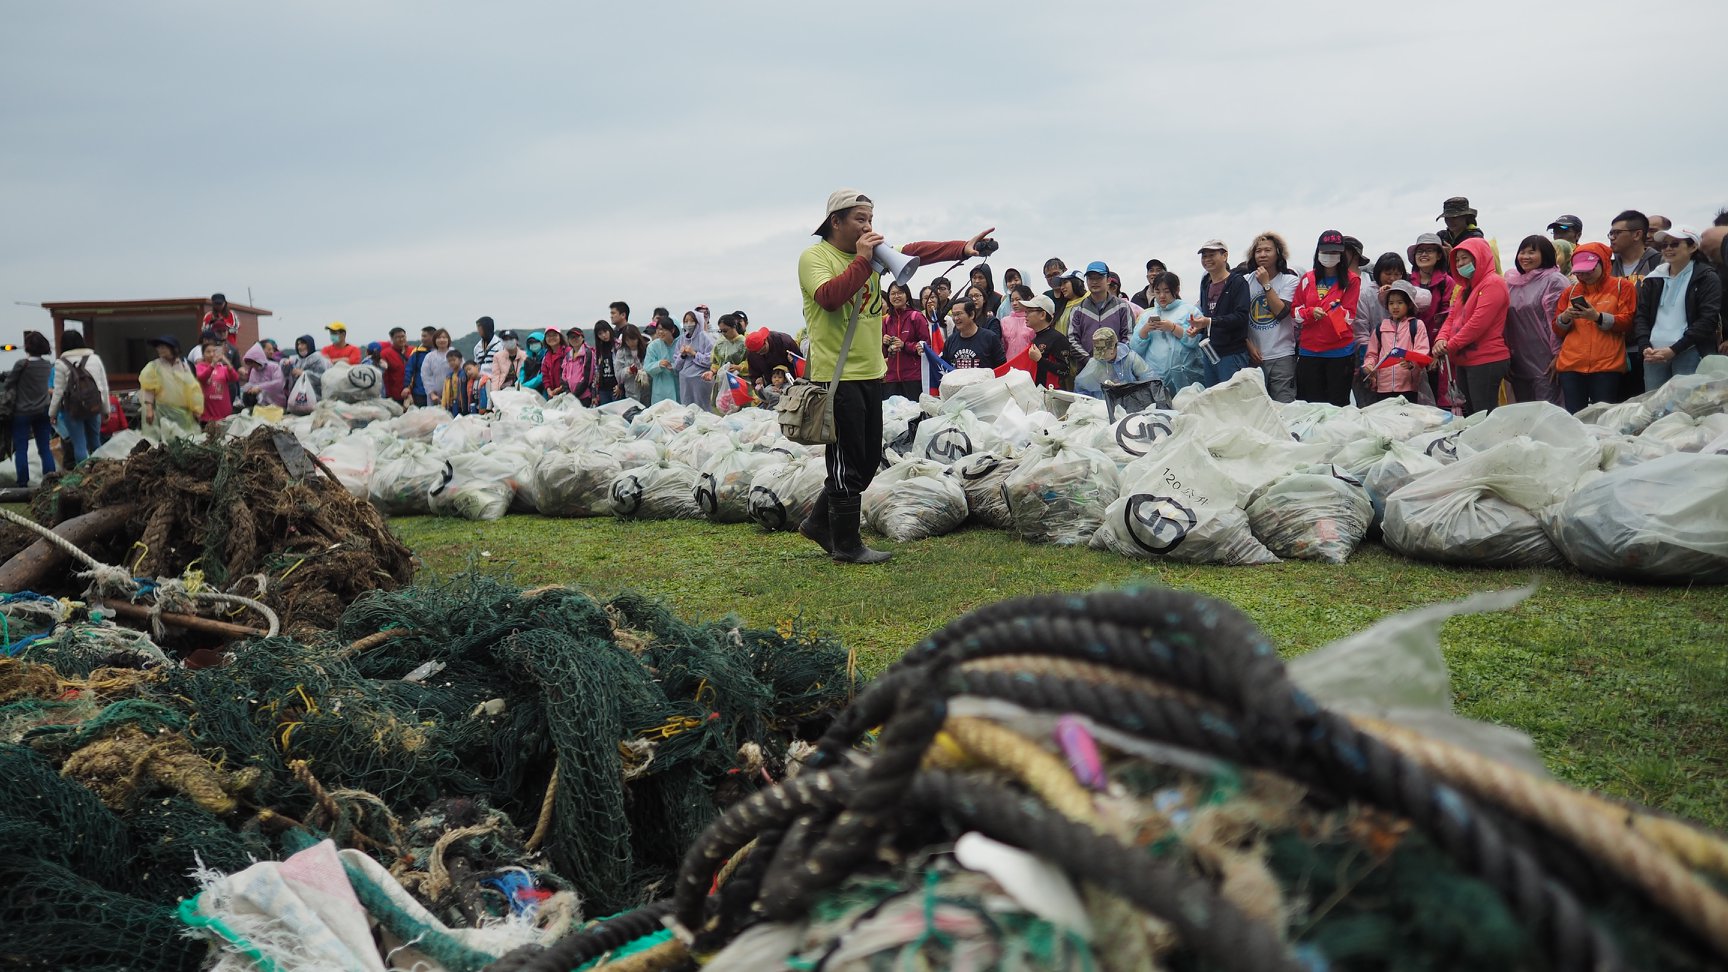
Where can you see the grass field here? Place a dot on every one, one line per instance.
(1624, 689)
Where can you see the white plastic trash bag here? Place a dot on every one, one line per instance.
(344, 382)
(1135, 435)
(1662, 520)
(1686, 433)
(480, 488)
(949, 438)
(1059, 492)
(463, 434)
(118, 446)
(1482, 509)
(1180, 505)
(1398, 466)
(575, 484)
(1537, 421)
(1321, 514)
(1620, 451)
(914, 499)
(982, 477)
(1625, 418)
(1698, 395)
(663, 491)
(723, 485)
(404, 485)
(782, 494)
(303, 397)
(352, 461)
(1240, 402)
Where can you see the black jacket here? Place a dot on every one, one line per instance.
(1703, 310)
(1059, 359)
(1229, 331)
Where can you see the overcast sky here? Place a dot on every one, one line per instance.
(388, 163)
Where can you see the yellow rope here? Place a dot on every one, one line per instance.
(1045, 773)
(543, 826)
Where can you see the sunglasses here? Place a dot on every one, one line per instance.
(1670, 244)
(1622, 232)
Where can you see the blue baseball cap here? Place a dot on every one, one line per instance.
(1098, 267)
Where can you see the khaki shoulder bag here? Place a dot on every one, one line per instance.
(806, 409)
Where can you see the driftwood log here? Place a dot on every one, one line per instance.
(38, 562)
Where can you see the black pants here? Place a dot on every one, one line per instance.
(909, 390)
(1481, 384)
(1324, 379)
(1581, 388)
(857, 450)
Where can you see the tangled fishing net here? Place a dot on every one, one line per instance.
(474, 754)
(1135, 781)
(255, 515)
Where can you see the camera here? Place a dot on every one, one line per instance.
(986, 247)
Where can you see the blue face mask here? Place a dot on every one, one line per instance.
(1466, 269)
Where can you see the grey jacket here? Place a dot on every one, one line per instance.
(30, 386)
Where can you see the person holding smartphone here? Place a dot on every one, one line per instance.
(1591, 319)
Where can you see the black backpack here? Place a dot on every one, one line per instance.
(83, 396)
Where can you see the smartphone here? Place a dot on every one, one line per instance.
(1580, 304)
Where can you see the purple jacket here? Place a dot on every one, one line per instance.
(1529, 332)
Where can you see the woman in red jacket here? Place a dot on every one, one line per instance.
(1325, 302)
(1474, 335)
(904, 330)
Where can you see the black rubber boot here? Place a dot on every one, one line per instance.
(815, 526)
(844, 514)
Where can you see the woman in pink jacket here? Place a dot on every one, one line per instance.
(1474, 335)
(904, 331)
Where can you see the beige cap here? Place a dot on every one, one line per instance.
(1213, 245)
(1041, 302)
(845, 199)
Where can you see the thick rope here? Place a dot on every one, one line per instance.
(1044, 773)
(1589, 822)
(543, 826)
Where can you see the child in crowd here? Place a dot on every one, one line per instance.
(1385, 370)
(771, 392)
(215, 374)
(1113, 366)
(459, 388)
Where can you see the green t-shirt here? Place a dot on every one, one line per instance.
(822, 262)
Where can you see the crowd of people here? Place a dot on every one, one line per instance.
(1448, 321)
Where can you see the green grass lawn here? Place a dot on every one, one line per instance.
(1624, 688)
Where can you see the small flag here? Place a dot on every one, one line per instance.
(937, 341)
(934, 368)
(1021, 362)
(740, 392)
(797, 364)
(1396, 355)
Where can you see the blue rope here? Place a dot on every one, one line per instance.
(21, 644)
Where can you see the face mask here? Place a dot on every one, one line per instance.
(1327, 259)
(1466, 269)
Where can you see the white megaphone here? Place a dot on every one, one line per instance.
(888, 260)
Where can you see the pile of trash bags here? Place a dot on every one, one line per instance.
(1224, 476)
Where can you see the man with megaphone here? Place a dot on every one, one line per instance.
(840, 276)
